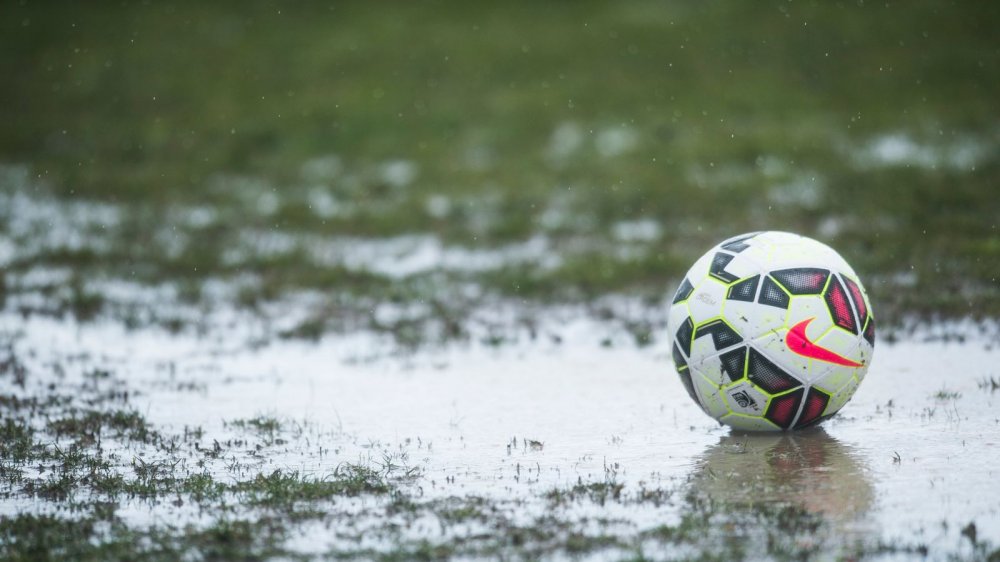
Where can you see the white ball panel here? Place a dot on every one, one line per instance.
(865, 352)
(709, 395)
(709, 365)
(841, 342)
(706, 300)
(746, 318)
(841, 397)
(834, 379)
(765, 319)
(744, 398)
(804, 307)
(743, 265)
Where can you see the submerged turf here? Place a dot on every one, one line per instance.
(86, 475)
(90, 469)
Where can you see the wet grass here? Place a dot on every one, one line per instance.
(160, 163)
(989, 383)
(232, 162)
(85, 455)
(283, 490)
(945, 395)
(88, 426)
(266, 427)
(56, 452)
(49, 537)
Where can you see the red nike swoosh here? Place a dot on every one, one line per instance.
(797, 340)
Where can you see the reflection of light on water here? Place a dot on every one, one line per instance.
(899, 149)
(809, 473)
(34, 221)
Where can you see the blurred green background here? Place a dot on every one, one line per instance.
(579, 150)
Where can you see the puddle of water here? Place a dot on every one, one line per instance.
(912, 457)
(34, 222)
(900, 149)
(403, 256)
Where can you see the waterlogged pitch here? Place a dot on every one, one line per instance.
(771, 331)
(388, 280)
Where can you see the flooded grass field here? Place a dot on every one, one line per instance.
(390, 281)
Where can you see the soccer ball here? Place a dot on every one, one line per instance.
(771, 331)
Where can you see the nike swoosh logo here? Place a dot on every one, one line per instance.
(797, 340)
